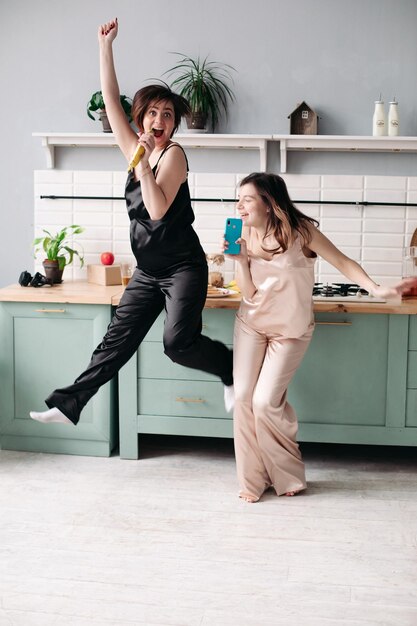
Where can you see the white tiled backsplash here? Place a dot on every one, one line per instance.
(373, 236)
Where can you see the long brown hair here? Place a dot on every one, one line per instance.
(156, 93)
(285, 221)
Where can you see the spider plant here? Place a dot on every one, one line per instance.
(204, 84)
(56, 246)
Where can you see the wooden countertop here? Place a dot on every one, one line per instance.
(69, 292)
(82, 292)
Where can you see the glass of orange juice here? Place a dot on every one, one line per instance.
(410, 269)
(127, 271)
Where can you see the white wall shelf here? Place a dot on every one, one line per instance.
(73, 140)
(323, 143)
(342, 143)
(188, 140)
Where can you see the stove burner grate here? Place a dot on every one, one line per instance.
(338, 289)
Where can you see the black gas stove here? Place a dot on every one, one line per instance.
(342, 292)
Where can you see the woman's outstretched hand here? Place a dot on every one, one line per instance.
(108, 31)
(405, 285)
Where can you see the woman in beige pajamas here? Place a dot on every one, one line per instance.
(273, 329)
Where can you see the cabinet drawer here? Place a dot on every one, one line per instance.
(186, 399)
(153, 363)
(53, 310)
(217, 324)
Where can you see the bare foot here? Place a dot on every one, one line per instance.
(291, 493)
(248, 497)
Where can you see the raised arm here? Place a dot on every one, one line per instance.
(125, 136)
(352, 270)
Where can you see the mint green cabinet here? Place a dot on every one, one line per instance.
(357, 384)
(351, 386)
(45, 346)
(161, 397)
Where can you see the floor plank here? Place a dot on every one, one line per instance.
(164, 541)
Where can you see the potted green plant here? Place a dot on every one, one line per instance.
(58, 252)
(96, 103)
(205, 85)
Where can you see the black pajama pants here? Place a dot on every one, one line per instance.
(182, 294)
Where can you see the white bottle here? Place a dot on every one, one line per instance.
(393, 120)
(378, 120)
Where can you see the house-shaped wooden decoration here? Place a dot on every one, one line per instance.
(303, 120)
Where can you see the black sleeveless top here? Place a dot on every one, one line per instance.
(161, 245)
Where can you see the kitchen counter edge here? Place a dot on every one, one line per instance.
(82, 292)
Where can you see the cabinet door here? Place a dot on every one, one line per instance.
(48, 346)
(343, 378)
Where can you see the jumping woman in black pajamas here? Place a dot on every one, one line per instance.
(171, 270)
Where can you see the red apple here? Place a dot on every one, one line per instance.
(107, 258)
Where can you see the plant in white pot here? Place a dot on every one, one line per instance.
(96, 105)
(58, 251)
(205, 84)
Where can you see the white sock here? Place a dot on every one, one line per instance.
(229, 397)
(53, 415)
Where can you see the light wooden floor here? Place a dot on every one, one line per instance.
(165, 541)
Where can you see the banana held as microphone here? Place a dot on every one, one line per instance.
(137, 155)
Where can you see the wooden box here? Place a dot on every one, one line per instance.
(104, 274)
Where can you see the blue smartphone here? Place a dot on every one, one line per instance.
(232, 232)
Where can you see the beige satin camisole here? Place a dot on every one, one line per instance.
(283, 302)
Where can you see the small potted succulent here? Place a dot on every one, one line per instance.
(205, 85)
(96, 104)
(58, 252)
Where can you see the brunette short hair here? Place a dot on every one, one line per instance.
(156, 93)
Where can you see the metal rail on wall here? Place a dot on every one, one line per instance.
(333, 202)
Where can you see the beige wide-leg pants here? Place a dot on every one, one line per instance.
(265, 424)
